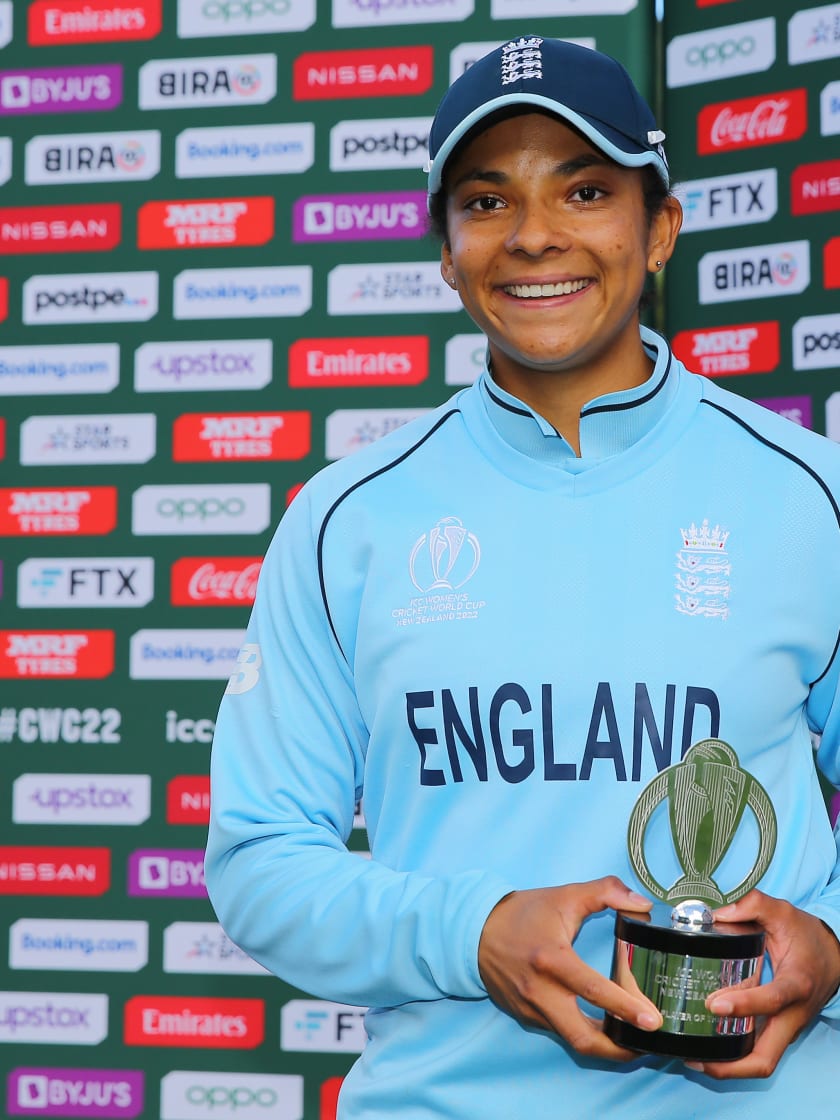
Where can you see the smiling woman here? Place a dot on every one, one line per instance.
(496, 626)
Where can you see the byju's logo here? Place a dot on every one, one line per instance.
(113, 1093)
(177, 83)
(173, 873)
(61, 89)
(722, 52)
(102, 157)
(757, 272)
(360, 217)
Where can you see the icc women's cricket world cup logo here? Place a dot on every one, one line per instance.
(444, 558)
(707, 794)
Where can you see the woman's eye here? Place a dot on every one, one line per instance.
(588, 194)
(484, 202)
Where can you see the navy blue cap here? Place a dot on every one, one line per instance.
(588, 89)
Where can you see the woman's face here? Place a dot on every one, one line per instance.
(549, 244)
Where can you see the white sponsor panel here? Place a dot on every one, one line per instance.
(349, 429)
(82, 581)
(830, 109)
(323, 1027)
(756, 272)
(202, 1094)
(6, 23)
(199, 19)
(90, 297)
(814, 33)
(83, 157)
(389, 289)
(78, 945)
(514, 9)
(816, 342)
(721, 52)
(242, 293)
(127, 437)
(464, 357)
(110, 799)
(183, 367)
(381, 144)
(183, 655)
(728, 200)
(52, 370)
(205, 510)
(832, 417)
(259, 149)
(372, 13)
(462, 57)
(5, 159)
(205, 947)
(178, 83)
(65, 1018)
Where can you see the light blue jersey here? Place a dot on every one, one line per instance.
(497, 645)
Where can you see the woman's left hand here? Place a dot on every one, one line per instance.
(805, 956)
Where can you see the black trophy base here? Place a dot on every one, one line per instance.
(726, 1049)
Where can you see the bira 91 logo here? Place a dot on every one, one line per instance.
(89, 511)
(202, 222)
(87, 654)
(815, 187)
(215, 581)
(748, 348)
(229, 1024)
(188, 799)
(770, 118)
(113, 1093)
(60, 229)
(59, 22)
(375, 72)
(348, 362)
(42, 870)
(199, 438)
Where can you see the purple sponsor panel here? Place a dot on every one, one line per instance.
(797, 409)
(61, 89)
(378, 216)
(167, 872)
(834, 809)
(110, 1094)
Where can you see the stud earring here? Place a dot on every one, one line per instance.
(659, 264)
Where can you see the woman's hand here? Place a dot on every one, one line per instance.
(531, 970)
(805, 956)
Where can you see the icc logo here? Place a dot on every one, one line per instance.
(444, 558)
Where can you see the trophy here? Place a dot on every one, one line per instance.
(677, 955)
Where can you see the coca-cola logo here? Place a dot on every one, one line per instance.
(751, 121)
(215, 581)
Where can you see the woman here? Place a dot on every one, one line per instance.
(483, 625)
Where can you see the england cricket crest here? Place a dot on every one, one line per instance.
(703, 571)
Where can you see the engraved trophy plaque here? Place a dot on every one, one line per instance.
(678, 955)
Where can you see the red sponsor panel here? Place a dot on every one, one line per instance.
(348, 362)
(2, 438)
(60, 229)
(188, 799)
(831, 263)
(48, 510)
(815, 187)
(42, 870)
(4, 299)
(329, 1097)
(82, 654)
(375, 72)
(719, 351)
(199, 437)
(205, 222)
(56, 22)
(711, 3)
(229, 1024)
(770, 118)
(215, 581)
(293, 492)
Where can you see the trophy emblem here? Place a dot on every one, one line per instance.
(677, 955)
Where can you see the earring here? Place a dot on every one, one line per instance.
(453, 283)
(659, 264)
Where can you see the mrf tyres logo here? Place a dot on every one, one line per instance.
(39, 1091)
(205, 222)
(757, 272)
(747, 348)
(197, 83)
(66, 511)
(198, 437)
(87, 654)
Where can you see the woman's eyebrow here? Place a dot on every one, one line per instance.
(565, 169)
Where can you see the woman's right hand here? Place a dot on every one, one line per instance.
(529, 966)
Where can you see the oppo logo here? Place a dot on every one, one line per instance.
(219, 1096)
(231, 1096)
(720, 52)
(249, 9)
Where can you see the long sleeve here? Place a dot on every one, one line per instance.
(287, 768)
